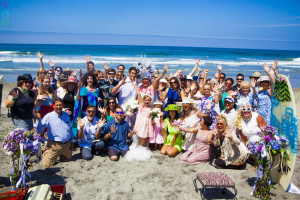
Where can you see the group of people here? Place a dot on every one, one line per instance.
(204, 119)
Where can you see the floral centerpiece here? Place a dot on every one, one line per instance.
(20, 145)
(265, 146)
(132, 105)
(155, 112)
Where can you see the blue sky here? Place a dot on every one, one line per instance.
(216, 23)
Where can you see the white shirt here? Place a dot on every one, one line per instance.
(89, 132)
(126, 92)
(251, 128)
(230, 117)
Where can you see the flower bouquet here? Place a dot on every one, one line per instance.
(155, 112)
(265, 146)
(20, 145)
(132, 105)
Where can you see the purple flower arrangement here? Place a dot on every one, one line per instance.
(265, 146)
(20, 145)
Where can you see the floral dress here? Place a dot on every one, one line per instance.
(250, 96)
(213, 113)
(264, 105)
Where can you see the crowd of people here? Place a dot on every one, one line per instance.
(202, 119)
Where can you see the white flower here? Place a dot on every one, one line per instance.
(254, 138)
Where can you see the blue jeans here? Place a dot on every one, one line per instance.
(87, 153)
(26, 124)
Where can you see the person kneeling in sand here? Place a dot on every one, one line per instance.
(60, 136)
(116, 132)
(89, 130)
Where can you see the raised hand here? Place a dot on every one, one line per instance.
(253, 82)
(165, 68)
(220, 67)
(15, 94)
(106, 67)
(274, 65)
(123, 80)
(51, 63)
(101, 123)
(41, 97)
(266, 67)
(39, 55)
(113, 128)
(208, 105)
(198, 61)
(160, 87)
(100, 109)
(87, 58)
(80, 122)
(80, 73)
(220, 85)
(235, 93)
(74, 73)
(206, 71)
(217, 75)
(134, 83)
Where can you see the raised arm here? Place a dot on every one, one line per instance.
(156, 82)
(272, 78)
(274, 67)
(195, 67)
(219, 73)
(40, 56)
(139, 97)
(199, 70)
(79, 86)
(51, 64)
(106, 68)
(100, 124)
(87, 60)
(116, 89)
(165, 94)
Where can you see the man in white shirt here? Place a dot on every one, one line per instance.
(126, 91)
(89, 130)
(230, 113)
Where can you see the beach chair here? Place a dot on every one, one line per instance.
(214, 180)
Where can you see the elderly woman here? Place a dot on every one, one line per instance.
(264, 96)
(246, 94)
(68, 92)
(21, 102)
(233, 153)
(248, 123)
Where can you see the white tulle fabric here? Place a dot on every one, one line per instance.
(137, 152)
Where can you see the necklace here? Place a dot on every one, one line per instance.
(24, 92)
(247, 120)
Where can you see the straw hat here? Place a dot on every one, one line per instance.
(70, 80)
(263, 78)
(255, 75)
(68, 69)
(172, 107)
(186, 100)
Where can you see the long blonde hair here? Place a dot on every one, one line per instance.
(239, 117)
(48, 91)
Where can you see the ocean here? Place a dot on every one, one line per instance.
(16, 59)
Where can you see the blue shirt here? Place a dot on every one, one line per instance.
(59, 127)
(118, 140)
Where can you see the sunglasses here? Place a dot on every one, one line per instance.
(111, 73)
(172, 82)
(91, 111)
(43, 73)
(119, 113)
(201, 78)
(264, 82)
(222, 77)
(245, 110)
(58, 70)
(111, 102)
(228, 83)
(220, 123)
(239, 79)
(27, 81)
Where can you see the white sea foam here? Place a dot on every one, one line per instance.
(295, 63)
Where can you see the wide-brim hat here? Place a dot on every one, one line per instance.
(189, 77)
(172, 107)
(186, 100)
(255, 75)
(263, 78)
(25, 77)
(70, 80)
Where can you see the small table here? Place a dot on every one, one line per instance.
(214, 180)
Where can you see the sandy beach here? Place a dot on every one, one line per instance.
(160, 177)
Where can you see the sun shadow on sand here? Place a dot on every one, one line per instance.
(217, 193)
(49, 176)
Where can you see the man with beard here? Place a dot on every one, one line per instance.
(89, 130)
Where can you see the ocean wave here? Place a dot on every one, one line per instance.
(156, 61)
